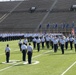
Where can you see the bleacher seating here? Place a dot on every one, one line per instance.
(21, 20)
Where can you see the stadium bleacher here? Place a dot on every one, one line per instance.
(21, 20)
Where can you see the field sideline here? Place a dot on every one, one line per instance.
(49, 63)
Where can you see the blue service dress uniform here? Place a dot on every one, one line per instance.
(47, 38)
(75, 43)
(24, 50)
(55, 44)
(66, 42)
(7, 52)
(34, 42)
(71, 42)
(20, 43)
(62, 43)
(29, 52)
(38, 41)
(42, 41)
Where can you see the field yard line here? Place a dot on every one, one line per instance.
(20, 62)
(68, 68)
(6, 68)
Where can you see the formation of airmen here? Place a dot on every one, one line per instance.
(43, 41)
(11, 36)
(55, 42)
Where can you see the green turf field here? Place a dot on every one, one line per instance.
(45, 62)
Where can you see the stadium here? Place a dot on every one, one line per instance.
(21, 19)
(17, 17)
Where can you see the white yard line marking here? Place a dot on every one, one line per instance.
(6, 68)
(68, 68)
(21, 62)
(9, 67)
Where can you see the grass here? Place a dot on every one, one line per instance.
(50, 63)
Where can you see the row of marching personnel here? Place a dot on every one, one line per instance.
(11, 36)
(43, 42)
(52, 41)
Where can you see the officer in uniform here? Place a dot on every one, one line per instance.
(29, 52)
(47, 38)
(71, 42)
(43, 41)
(38, 41)
(75, 43)
(20, 43)
(25, 41)
(51, 41)
(24, 50)
(62, 43)
(34, 42)
(7, 52)
(66, 42)
(55, 43)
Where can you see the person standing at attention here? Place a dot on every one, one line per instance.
(47, 38)
(20, 43)
(29, 52)
(55, 43)
(71, 39)
(25, 41)
(7, 52)
(24, 50)
(42, 41)
(38, 41)
(62, 43)
(34, 42)
(75, 43)
(66, 42)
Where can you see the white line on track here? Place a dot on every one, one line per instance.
(21, 62)
(68, 68)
